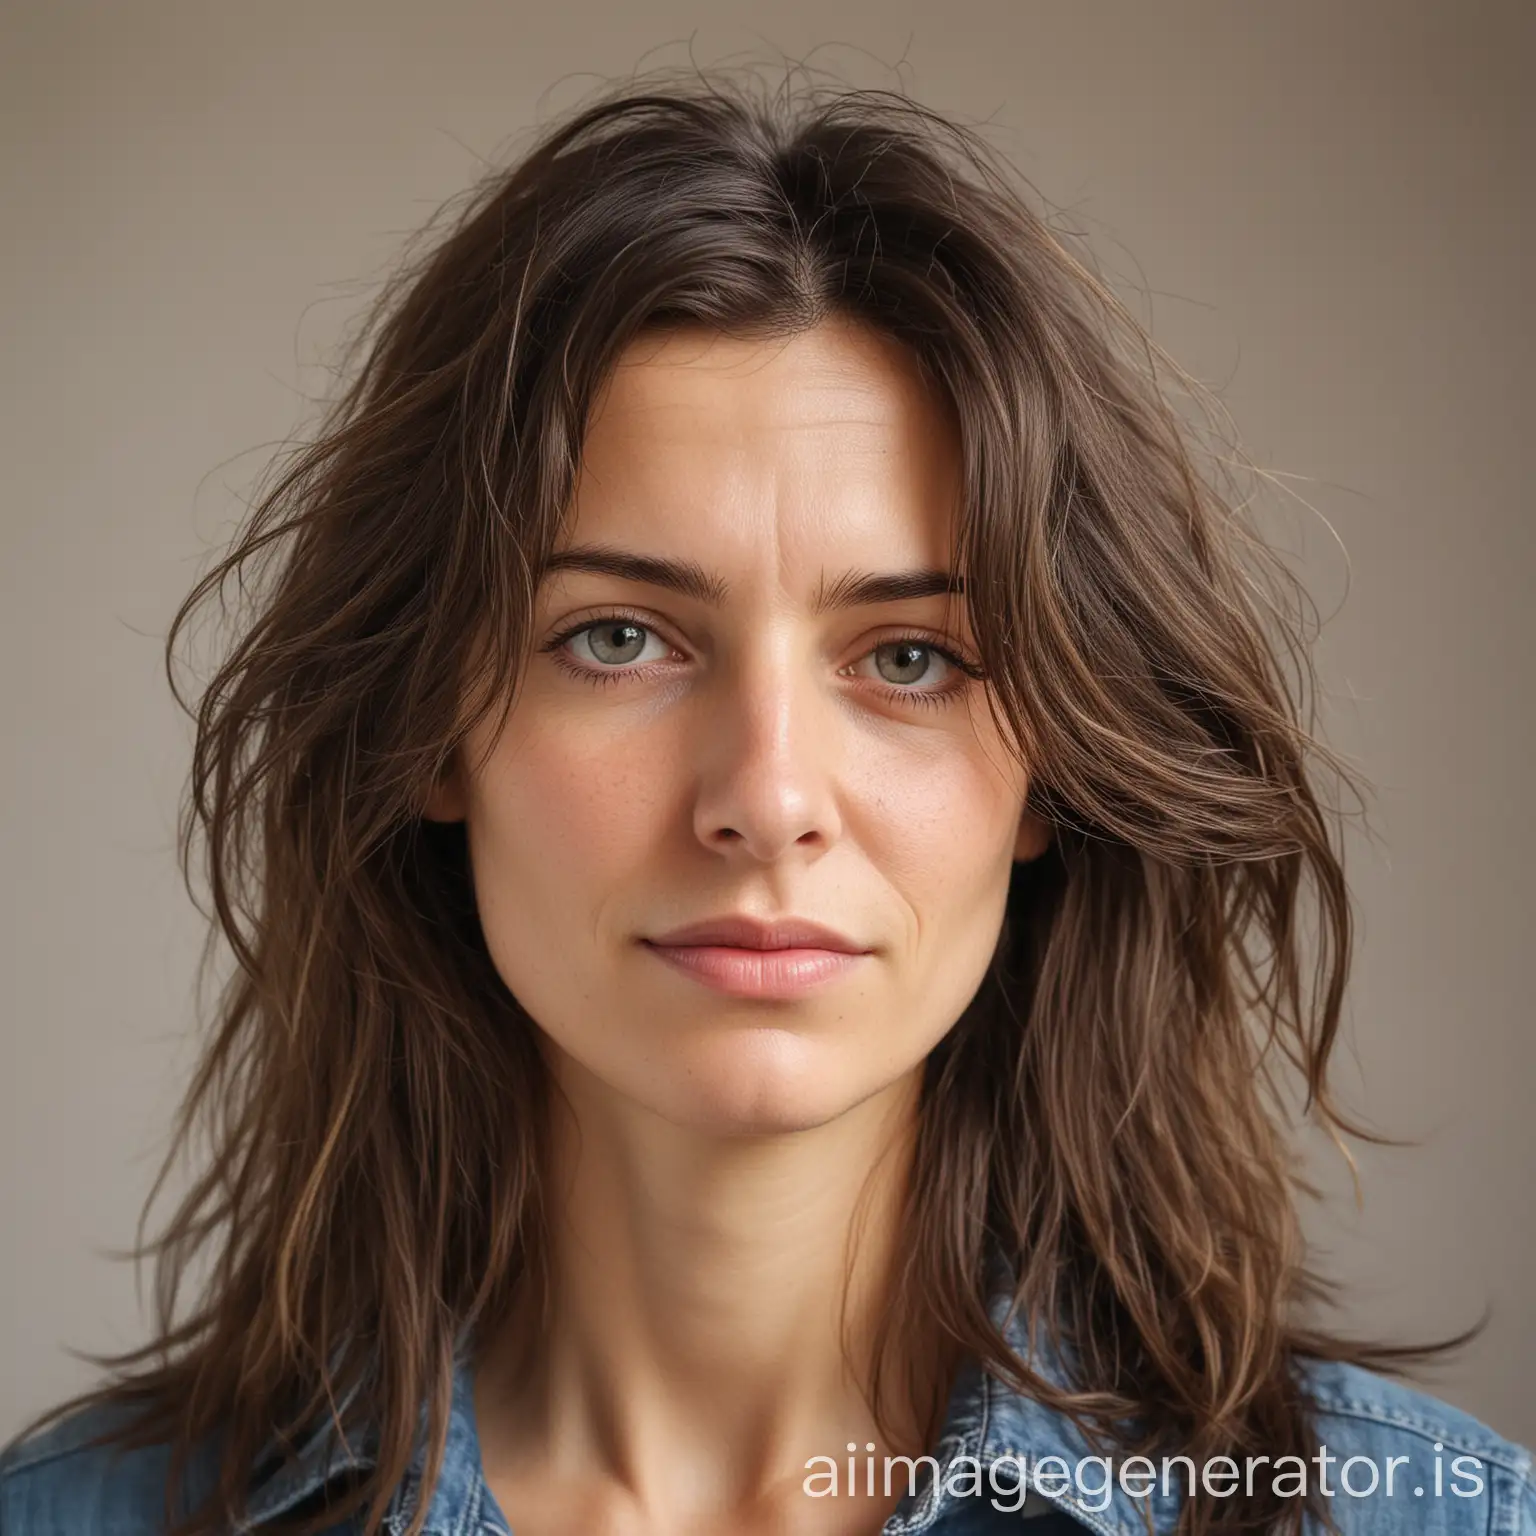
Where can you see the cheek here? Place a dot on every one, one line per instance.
(559, 819)
(556, 804)
(943, 833)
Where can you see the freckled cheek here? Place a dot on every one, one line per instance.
(945, 830)
(557, 805)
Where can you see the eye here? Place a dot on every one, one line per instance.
(906, 662)
(918, 670)
(913, 668)
(615, 643)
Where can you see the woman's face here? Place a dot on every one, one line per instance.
(742, 705)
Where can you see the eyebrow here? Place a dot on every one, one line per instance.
(853, 589)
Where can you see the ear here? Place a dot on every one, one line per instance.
(446, 800)
(1034, 837)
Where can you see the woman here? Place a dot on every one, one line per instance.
(779, 889)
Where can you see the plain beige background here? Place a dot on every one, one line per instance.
(1326, 206)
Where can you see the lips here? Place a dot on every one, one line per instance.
(754, 933)
(745, 957)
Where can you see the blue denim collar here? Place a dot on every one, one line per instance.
(460, 1497)
(990, 1429)
(462, 1503)
(986, 1421)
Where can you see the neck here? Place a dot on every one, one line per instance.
(709, 1322)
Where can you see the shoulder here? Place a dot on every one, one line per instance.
(67, 1478)
(77, 1477)
(1398, 1459)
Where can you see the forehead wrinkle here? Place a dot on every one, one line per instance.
(664, 403)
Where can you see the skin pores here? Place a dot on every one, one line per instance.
(755, 749)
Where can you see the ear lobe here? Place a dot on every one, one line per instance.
(1034, 837)
(446, 800)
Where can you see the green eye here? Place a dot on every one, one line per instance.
(615, 643)
(903, 661)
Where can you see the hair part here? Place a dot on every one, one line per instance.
(1106, 1119)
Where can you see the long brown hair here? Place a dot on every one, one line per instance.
(1108, 1119)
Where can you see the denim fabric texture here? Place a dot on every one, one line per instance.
(56, 1484)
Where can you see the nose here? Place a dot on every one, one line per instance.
(767, 740)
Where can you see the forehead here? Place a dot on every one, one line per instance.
(821, 446)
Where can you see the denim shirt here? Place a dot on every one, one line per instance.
(1448, 1475)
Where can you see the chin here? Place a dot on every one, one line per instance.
(758, 1082)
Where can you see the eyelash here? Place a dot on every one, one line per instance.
(966, 671)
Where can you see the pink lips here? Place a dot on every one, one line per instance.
(744, 957)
